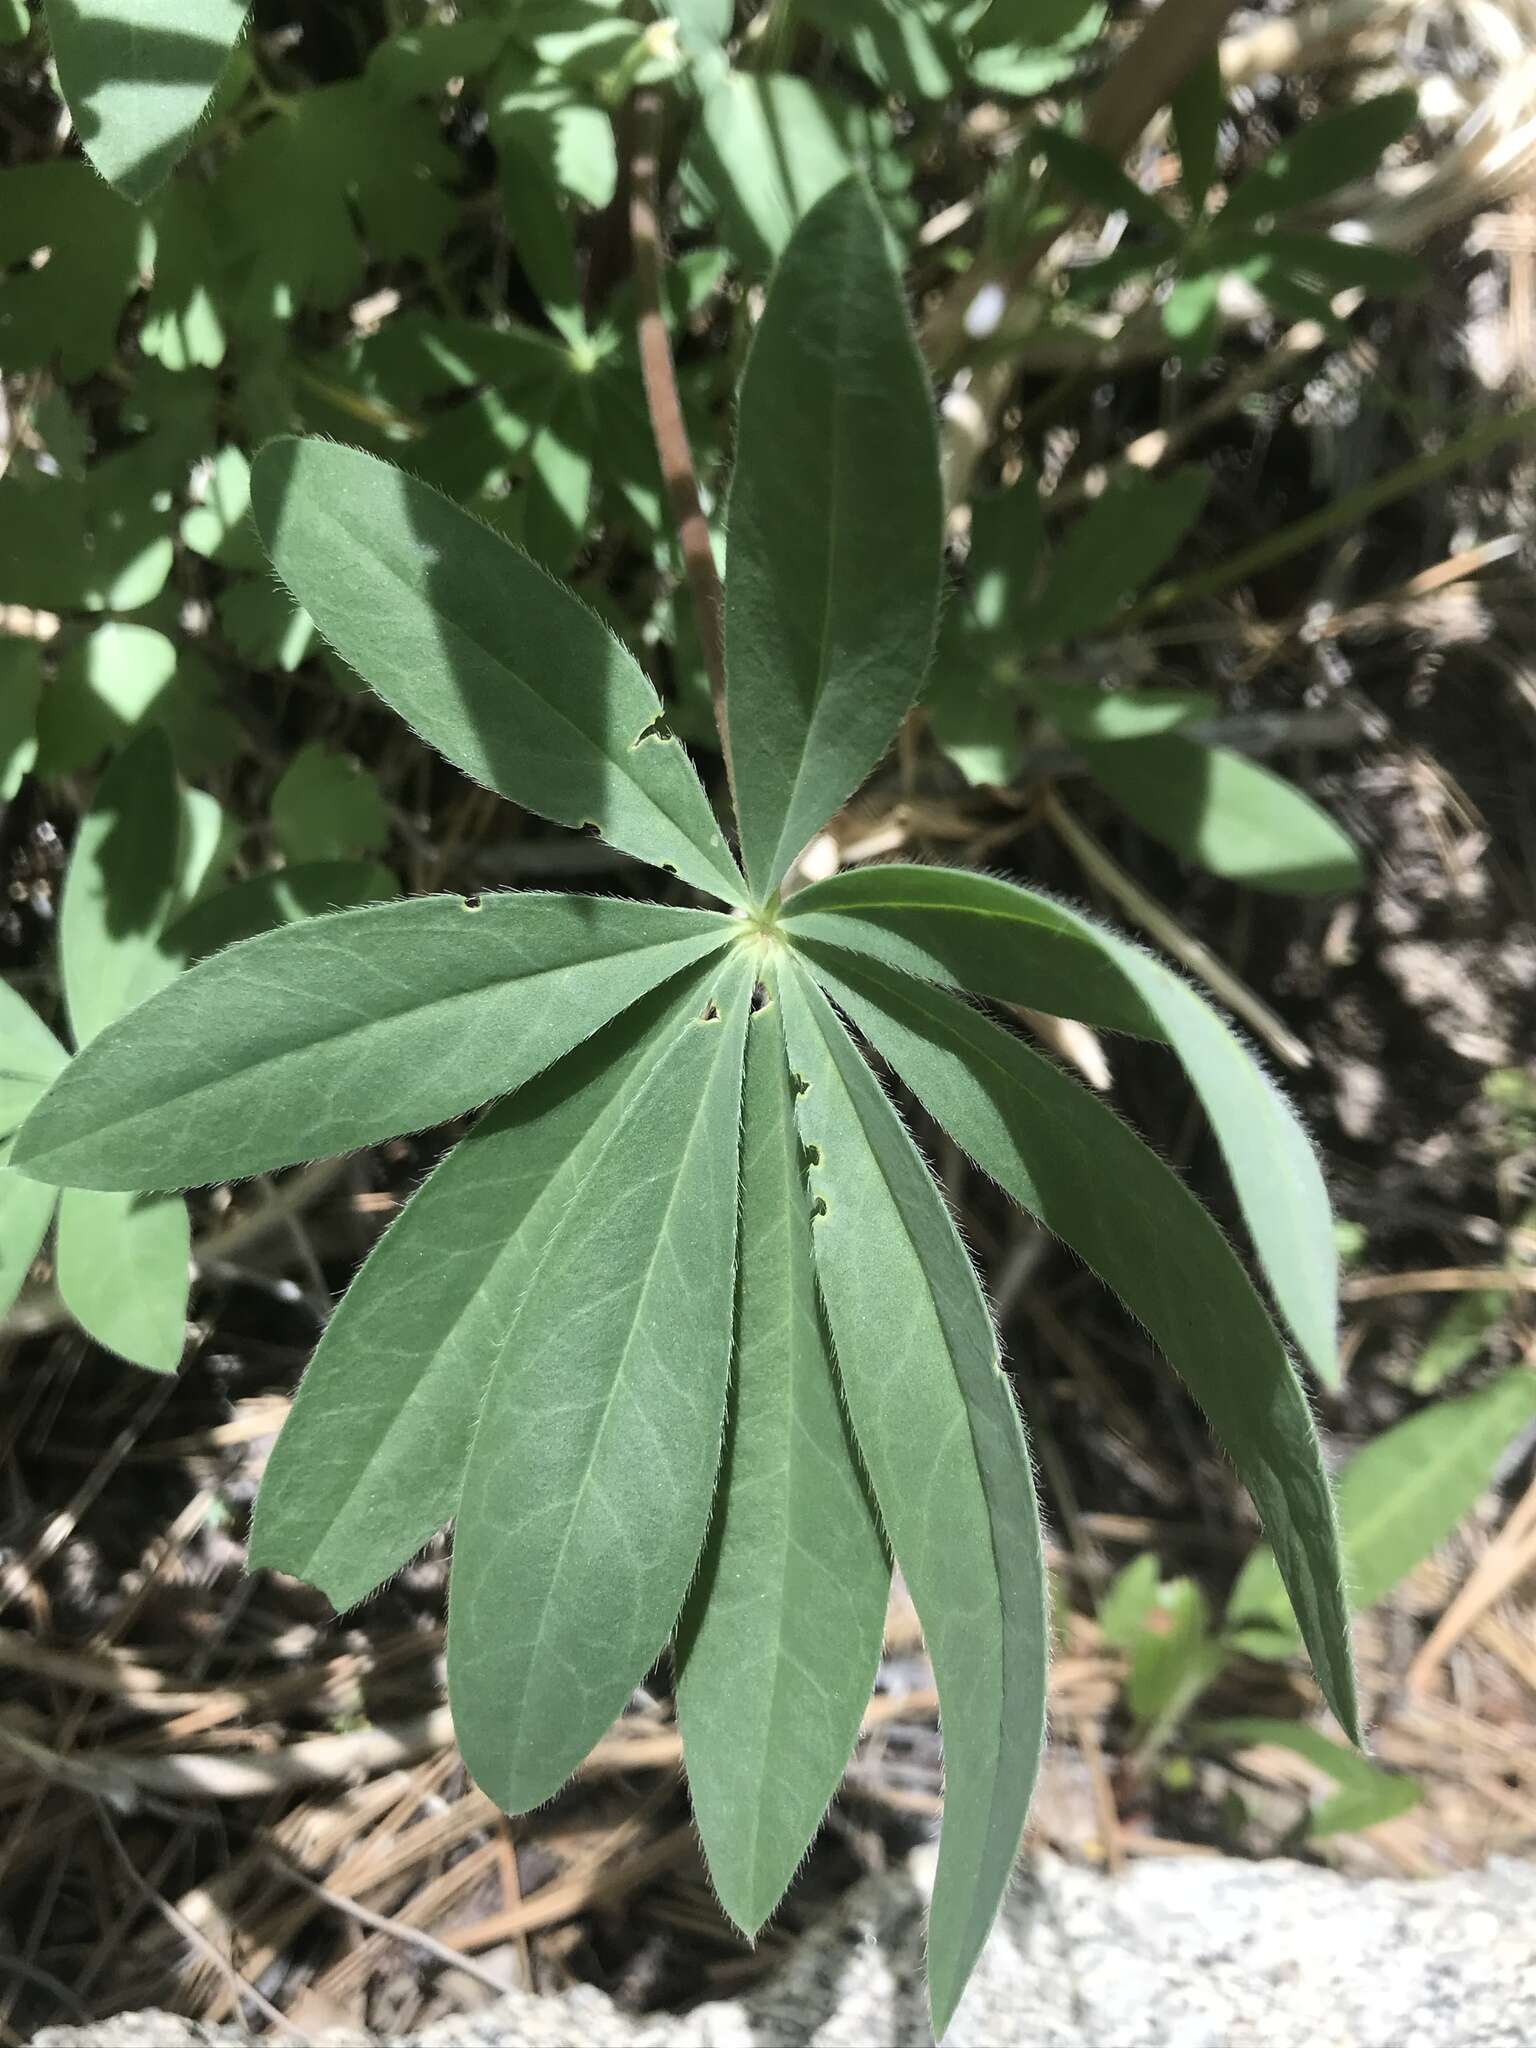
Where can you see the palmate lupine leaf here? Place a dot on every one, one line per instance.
(370, 1462)
(588, 1488)
(779, 1642)
(973, 932)
(491, 660)
(137, 75)
(348, 1029)
(835, 527)
(1067, 1158)
(542, 1347)
(941, 1438)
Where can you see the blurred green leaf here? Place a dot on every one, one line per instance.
(21, 689)
(1320, 157)
(1081, 713)
(123, 1272)
(1197, 106)
(1095, 176)
(1458, 1337)
(1399, 1499)
(26, 1210)
(63, 307)
(262, 902)
(327, 807)
(1228, 814)
(120, 888)
(1367, 1796)
(30, 1056)
(137, 75)
(1111, 552)
(767, 147)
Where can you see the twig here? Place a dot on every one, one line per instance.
(397, 1930)
(1142, 909)
(189, 1931)
(1501, 1568)
(1441, 1280)
(667, 423)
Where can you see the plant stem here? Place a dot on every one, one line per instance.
(667, 424)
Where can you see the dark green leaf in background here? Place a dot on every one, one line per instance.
(120, 889)
(1232, 816)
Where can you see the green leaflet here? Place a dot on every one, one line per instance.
(1085, 715)
(768, 145)
(1398, 1501)
(942, 1442)
(26, 1210)
(970, 931)
(328, 807)
(1227, 814)
(1320, 157)
(587, 1494)
(137, 75)
(371, 1460)
(1068, 1159)
(1367, 1795)
(119, 890)
(122, 1272)
(835, 533)
(30, 1056)
(976, 933)
(781, 1636)
(1110, 553)
(338, 1032)
(493, 662)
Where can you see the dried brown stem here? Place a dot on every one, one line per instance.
(667, 424)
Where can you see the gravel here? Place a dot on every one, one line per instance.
(1186, 1952)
